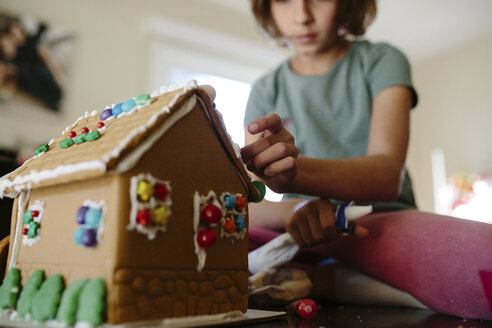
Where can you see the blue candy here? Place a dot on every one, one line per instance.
(93, 217)
(78, 236)
(239, 221)
(117, 109)
(230, 202)
(129, 105)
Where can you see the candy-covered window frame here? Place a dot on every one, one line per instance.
(151, 204)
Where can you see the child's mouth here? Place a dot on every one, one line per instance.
(306, 38)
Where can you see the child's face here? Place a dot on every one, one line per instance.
(309, 25)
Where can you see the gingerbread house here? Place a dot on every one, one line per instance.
(149, 195)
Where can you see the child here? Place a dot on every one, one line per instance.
(331, 124)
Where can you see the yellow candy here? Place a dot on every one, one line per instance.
(145, 190)
(160, 215)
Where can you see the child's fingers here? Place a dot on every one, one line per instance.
(266, 150)
(284, 165)
(270, 122)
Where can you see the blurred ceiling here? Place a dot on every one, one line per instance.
(421, 28)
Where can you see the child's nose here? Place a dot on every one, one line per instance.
(303, 12)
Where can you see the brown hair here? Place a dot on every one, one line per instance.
(353, 17)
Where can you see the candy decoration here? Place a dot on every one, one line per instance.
(32, 230)
(89, 238)
(230, 202)
(306, 308)
(161, 191)
(117, 110)
(94, 135)
(100, 125)
(93, 217)
(85, 130)
(160, 215)
(27, 217)
(240, 203)
(105, 114)
(211, 213)
(128, 105)
(142, 99)
(144, 190)
(66, 143)
(260, 186)
(80, 216)
(79, 235)
(80, 138)
(72, 134)
(229, 225)
(24, 231)
(41, 149)
(34, 214)
(206, 238)
(239, 221)
(143, 217)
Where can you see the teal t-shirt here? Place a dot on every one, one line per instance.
(329, 114)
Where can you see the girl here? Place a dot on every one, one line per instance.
(331, 124)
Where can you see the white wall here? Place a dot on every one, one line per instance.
(454, 113)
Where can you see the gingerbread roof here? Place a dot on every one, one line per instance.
(112, 141)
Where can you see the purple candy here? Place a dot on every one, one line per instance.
(90, 237)
(105, 114)
(81, 214)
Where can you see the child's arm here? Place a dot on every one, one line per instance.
(374, 177)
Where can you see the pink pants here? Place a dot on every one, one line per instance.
(437, 259)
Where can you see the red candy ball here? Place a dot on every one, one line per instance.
(84, 130)
(206, 238)
(143, 217)
(211, 213)
(161, 191)
(34, 214)
(306, 308)
(72, 134)
(100, 124)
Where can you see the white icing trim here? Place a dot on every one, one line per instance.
(23, 182)
(201, 253)
(21, 209)
(136, 205)
(131, 159)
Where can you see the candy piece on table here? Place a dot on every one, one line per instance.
(306, 308)
(260, 186)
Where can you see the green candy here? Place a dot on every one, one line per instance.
(41, 149)
(94, 135)
(66, 143)
(24, 305)
(10, 289)
(81, 138)
(142, 99)
(70, 302)
(92, 302)
(27, 217)
(260, 186)
(32, 229)
(45, 301)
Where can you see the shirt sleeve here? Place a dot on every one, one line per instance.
(257, 105)
(389, 67)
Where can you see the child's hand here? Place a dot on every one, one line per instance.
(273, 156)
(314, 223)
